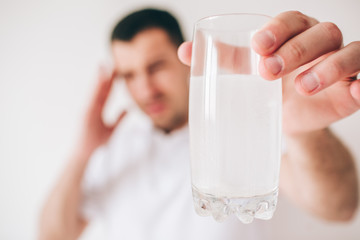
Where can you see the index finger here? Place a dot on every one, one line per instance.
(279, 30)
(105, 80)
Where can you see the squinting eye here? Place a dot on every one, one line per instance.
(128, 77)
(157, 67)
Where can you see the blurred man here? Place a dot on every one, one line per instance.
(135, 176)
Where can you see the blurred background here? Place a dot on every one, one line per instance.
(49, 56)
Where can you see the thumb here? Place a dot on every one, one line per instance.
(184, 53)
(119, 119)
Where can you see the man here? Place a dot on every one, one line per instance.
(136, 177)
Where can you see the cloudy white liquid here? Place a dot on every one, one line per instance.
(235, 125)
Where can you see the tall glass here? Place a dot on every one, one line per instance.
(234, 121)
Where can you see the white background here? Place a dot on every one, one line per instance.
(49, 53)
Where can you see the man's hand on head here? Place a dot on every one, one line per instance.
(95, 131)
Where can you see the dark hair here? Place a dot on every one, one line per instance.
(144, 19)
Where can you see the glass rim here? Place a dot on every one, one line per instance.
(210, 17)
(223, 15)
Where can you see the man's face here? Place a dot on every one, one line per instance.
(156, 79)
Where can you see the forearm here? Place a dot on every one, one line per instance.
(319, 174)
(60, 218)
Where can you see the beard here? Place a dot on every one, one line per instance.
(175, 121)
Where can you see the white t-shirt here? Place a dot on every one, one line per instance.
(139, 185)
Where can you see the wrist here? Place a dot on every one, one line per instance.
(305, 143)
(83, 150)
(308, 134)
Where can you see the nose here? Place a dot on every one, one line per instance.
(147, 87)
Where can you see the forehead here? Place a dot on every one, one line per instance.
(145, 47)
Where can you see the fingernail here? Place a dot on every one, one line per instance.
(264, 39)
(310, 82)
(274, 64)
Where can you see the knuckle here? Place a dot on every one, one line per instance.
(279, 23)
(297, 50)
(295, 13)
(355, 44)
(290, 19)
(337, 69)
(355, 49)
(333, 32)
(283, 19)
(302, 19)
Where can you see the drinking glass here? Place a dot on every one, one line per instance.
(234, 122)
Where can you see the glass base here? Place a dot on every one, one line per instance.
(246, 209)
